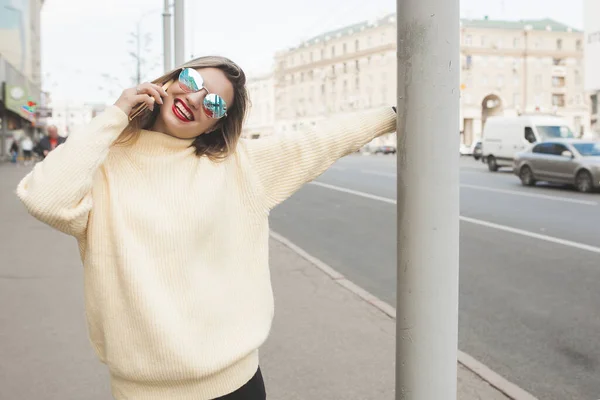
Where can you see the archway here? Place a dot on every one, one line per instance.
(491, 106)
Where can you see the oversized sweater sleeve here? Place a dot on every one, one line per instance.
(282, 162)
(57, 190)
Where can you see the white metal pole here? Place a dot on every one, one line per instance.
(167, 39)
(179, 33)
(428, 199)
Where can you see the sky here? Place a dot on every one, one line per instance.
(86, 44)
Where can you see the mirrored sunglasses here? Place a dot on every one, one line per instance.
(191, 81)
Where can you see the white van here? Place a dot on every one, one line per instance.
(503, 137)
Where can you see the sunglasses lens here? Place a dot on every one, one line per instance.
(190, 80)
(214, 106)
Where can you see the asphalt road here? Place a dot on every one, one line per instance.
(529, 305)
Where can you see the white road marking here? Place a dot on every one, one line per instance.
(540, 196)
(354, 192)
(491, 189)
(539, 236)
(504, 228)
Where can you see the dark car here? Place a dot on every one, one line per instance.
(477, 151)
(385, 150)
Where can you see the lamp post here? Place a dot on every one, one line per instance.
(179, 32)
(428, 199)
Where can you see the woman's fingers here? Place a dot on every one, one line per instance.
(144, 98)
(150, 90)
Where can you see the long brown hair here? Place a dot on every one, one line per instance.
(220, 142)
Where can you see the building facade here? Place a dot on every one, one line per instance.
(260, 120)
(20, 69)
(511, 68)
(592, 60)
(67, 117)
(507, 68)
(336, 73)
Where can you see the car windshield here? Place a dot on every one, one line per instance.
(588, 149)
(555, 132)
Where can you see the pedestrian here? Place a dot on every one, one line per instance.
(170, 210)
(14, 150)
(27, 147)
(49, 142)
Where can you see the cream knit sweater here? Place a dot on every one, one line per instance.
(178, 296)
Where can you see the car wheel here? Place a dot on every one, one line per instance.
(476, 158)
(584, 182)
(492, 164)
(526, 176)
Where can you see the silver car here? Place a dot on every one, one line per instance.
(571, 161)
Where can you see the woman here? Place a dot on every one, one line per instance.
(170, 211)
(14, 150)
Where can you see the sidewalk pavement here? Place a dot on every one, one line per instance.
(326, 342)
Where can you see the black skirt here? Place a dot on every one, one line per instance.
(254, 389)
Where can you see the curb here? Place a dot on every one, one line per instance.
(492, 378)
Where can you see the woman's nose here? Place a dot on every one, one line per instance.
(195, 99)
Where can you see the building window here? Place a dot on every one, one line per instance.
(333, 51)
(357, 65)
(484, 61)
(483, 41)
(515, 43)
(323, 90)
(333, 70)
(559, 44)
(516, 100)
(578, 99)
(301, 76)
(516, 80)
(344, 48)
(345, 68)
(558, 61)
(484, 80)
(558, 81)
(369, 41)
(538, 81)
(468, 40)
(311, 56)
(500, 81)
(357, 83)
(500, 62)
(594, 99)
(538, 99)
(558, 100)
(322, 54)
(578, 45)
(577, 78)
(468, 62)
(356, 45)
